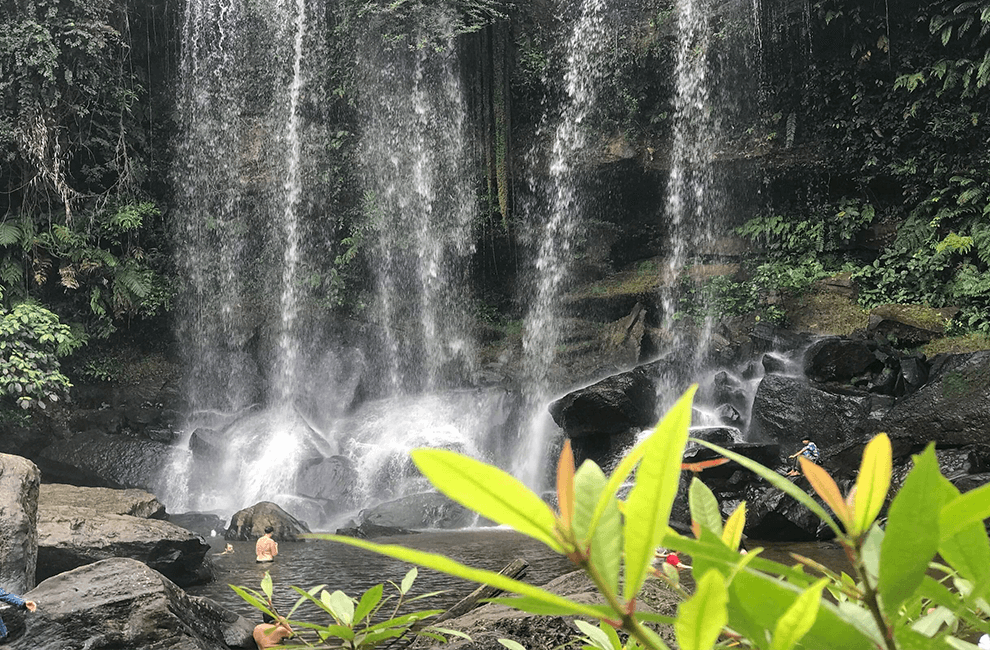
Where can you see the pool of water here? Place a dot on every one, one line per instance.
(353, 570)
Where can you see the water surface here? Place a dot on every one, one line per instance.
(353, 570)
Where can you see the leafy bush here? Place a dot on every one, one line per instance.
(31, 341)
(899, 597)
(356, 624)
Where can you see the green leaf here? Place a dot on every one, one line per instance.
(408, 580)
(965, 510)
(799, 618)
(341, 606)
(648, 505)
(449, 632)
(757, 598)
(597, 637)
(872, 483)
(369, 600)
(700, 618)
(968, 551)
(912, 532)
(534, 606)
(512, 645)
(490, 492)
(704, 507)
(481, 576)
(253, 598)
(779, 482)
(266, 585)
(606, 541)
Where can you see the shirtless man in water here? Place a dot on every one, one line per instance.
(266, 549)
(269, 635)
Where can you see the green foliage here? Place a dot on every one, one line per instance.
(354, 623)
(421, 24)
(757, 291)
(830, 230)
(899, 597)
(97, 259)
(31, 341)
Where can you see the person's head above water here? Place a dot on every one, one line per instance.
(269, 529)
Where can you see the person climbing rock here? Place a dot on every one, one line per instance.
(809, 451)
(16, 601)
(266, 548)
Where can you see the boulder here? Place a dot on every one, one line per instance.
(368, 530)
(774, 516)
(787, 409)
(19, 482)
(120, 461)
(330, 478)
(614, 405)
(953, 407)
(134, 502)
(837, 359)
(765, 453)
(122, 603)
(70, 536)
(417, 511)
(910, 325)
(202, 523)
(249, 524)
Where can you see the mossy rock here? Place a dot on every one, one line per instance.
(910, 324)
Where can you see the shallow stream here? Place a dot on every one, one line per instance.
(352, 570)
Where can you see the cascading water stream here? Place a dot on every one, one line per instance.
(691, 193)
(238, 172)
(419, 208)
(556, 233)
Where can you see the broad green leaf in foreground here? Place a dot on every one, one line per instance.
(648, 506)
(778, 482)
(872, 483)
(704, 507)
(481, 576)
(408, 580)
(798, 618)
(700, 618)
(489, 491)
(606, 539)
(368, 601)
(912, 532)
(734, 525)
(968, 550)
(964, 510)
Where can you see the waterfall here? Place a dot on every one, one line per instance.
(691, 192)
(715, 93)
(419, 206)
(555, 224)
(239, 185)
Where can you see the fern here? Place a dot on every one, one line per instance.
(132, 280)
(11, 273)
(981, 241)
(10, 234)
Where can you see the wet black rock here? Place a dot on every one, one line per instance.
(122, 603)
(249, 524)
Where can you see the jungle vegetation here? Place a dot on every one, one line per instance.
(881, 166)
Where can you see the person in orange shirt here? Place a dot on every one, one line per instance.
(267, 548)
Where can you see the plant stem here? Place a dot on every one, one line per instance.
(870, 595)
(629, 621)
